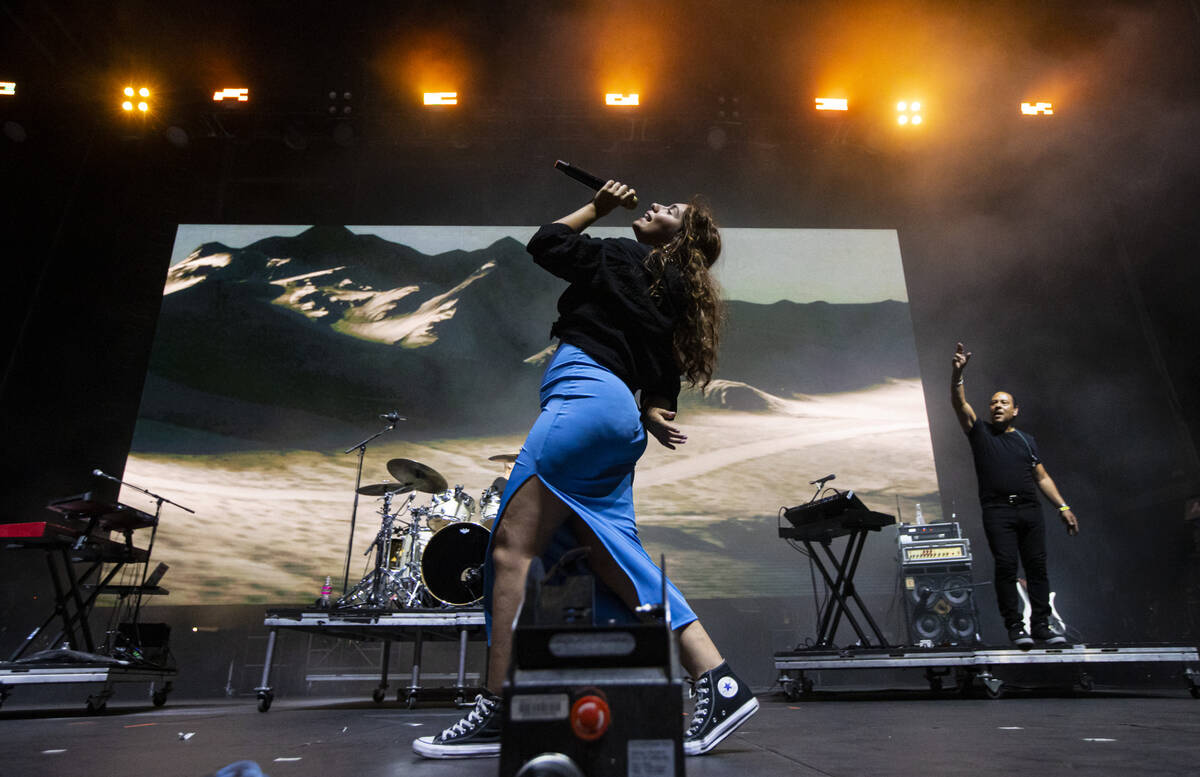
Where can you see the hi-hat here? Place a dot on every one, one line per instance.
(417, 476)
(379, 489)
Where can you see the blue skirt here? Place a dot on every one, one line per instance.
(583, 447)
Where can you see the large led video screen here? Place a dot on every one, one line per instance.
(279, 347)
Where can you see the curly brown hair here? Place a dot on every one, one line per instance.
(693, 250)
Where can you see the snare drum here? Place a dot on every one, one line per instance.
(452, 563)
(449, 507)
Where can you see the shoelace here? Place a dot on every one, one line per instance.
(474, 718)
(703, 697)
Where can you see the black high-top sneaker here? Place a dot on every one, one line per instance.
(475, 736)
(723, 702)
(1019, 636)
(1044, 632)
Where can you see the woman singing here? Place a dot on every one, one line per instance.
(637, 315)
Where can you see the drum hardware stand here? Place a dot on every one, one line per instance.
(408, 574)
(383, 544)
(373, 590)
(392, 419)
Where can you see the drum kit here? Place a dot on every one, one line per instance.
(429, 555)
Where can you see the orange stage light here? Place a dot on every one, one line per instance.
(615, 98)
(908, 112)
(832, 104)
(239, 94)
(1037, 109)
(441, 98)
(131, 94)
(8, 88)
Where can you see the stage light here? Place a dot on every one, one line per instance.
(142, 105)
(832, 104)
(239, 94)
(8, 88)
(1037, 109)
(618, 99)
(908, 112)
(441, 98)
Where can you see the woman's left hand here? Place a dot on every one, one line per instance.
(656, 420)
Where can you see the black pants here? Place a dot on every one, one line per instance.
(1018, 533)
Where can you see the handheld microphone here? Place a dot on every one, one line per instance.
(392, 417)
(587, 179)
(102, 474)
(822, 481)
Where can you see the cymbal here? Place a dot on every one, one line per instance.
(505, 457)
(379, 489)
(417, 476)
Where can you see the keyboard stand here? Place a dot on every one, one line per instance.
(842, 591)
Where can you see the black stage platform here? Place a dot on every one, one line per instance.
(844, 734)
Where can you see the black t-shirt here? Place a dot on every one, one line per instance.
(608, 310)
(1004, 463)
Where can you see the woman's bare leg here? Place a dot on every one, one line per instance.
(530, 519)
(697, 652)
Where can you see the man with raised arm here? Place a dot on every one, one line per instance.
(1010, 473)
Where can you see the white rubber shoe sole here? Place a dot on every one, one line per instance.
(722, 730)
(425, 746)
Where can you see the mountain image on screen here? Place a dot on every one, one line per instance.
(288, 340)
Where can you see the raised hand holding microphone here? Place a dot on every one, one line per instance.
(608, 197)
(612, 194)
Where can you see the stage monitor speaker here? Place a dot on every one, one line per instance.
(939, 605)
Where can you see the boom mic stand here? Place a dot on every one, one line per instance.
(159, 501)
(362, 451)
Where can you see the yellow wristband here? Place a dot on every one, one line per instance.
(1063, 508)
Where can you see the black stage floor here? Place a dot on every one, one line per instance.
(842, 734)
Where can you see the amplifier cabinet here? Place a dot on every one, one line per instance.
(939, 604)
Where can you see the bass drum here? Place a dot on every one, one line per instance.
(452, 564)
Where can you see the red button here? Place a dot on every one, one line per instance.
(590, 717)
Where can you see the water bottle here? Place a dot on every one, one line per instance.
(326, 591)
(920, 515)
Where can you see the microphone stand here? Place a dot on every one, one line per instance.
(159, 501)
(362, 451)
